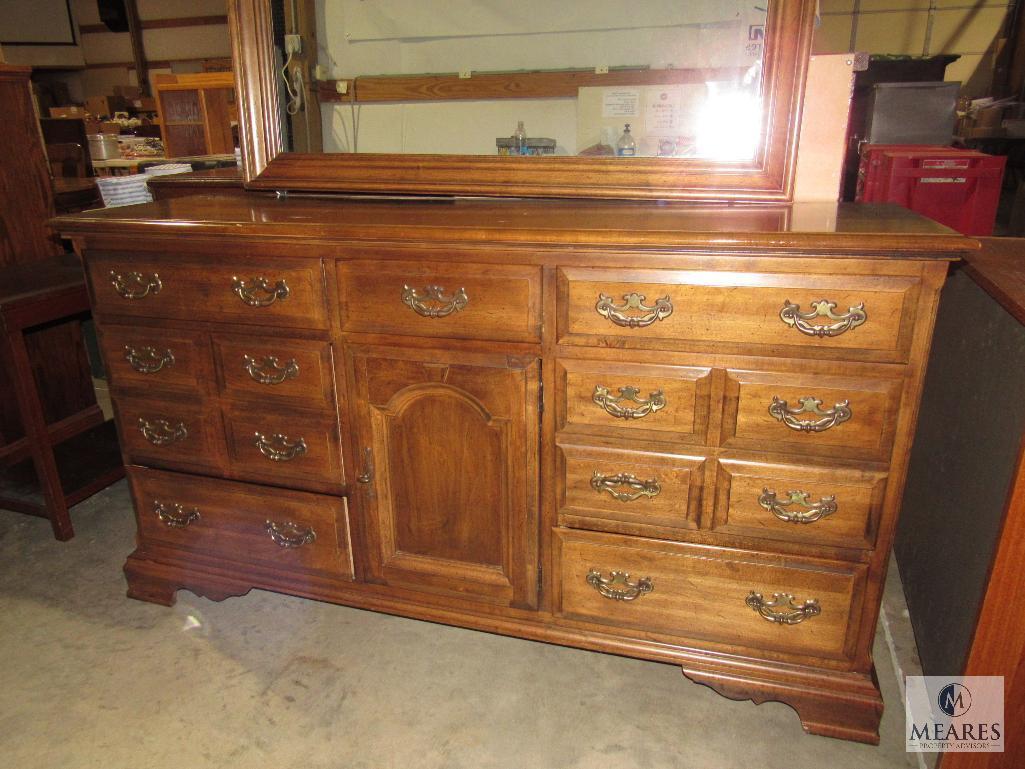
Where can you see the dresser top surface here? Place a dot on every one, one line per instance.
(845, 226)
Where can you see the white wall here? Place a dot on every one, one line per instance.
(386, 37)
(969, 28)
(42, 20)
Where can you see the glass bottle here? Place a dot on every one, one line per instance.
(519, 140)
(626, 146)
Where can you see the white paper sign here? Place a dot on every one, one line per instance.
(620, 103)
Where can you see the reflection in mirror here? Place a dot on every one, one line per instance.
(649, 78)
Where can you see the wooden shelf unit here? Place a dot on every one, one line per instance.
(196, 113)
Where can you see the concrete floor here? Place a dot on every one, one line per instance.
(93, 679)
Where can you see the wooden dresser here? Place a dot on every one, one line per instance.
(673, 432)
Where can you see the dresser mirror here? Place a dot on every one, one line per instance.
(684, 99)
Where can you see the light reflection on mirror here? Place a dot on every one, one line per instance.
(625, 78)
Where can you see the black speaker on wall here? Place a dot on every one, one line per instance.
(113, 14)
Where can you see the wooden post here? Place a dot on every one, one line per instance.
(138, 52)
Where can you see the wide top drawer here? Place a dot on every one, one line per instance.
(856, 315)
(435, 299)
(276, 292)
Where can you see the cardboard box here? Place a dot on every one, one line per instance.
(72, 112)
(110, 127)
(105, 106)
(129, 92)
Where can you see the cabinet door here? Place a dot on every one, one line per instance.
(449, 453)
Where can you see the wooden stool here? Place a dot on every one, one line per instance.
(76, 456)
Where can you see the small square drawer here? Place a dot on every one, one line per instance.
(830, 506)
(736, 597)
(435, 299)
(267, 367)
(866, 315)
(284, 447)
(275, 292)
(661, 403)
(632, 492)
(810, 411)
(244, 523)
(171, 433)
(145, 358)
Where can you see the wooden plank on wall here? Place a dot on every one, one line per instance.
(184, 21)
(509, 85)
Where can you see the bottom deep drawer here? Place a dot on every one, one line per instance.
(736, 597)
(243, 522)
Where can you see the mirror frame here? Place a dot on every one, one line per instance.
(767, 178)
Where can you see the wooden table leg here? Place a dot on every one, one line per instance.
(34, 422)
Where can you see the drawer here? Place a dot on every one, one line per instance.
(710, 594)
(244, 523)
(284, 447)
(274, 292)
(266, 367)
(465, 301)
(667, 403)
(679, 309)
(798, 503)
(170, 433)
(810, 411)
(631, 492)
(143, 357)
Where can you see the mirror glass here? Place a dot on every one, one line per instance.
(626, 78)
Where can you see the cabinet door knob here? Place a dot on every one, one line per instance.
(617, 586)
(368, 467)
(783, 608)
(146, 360)
(288, 534)
(813, 511)
(613, 405)
(788, 415)
(633, 303)
(634, 487)
(791, 315)
(431, 301)
(258, 292)
(134, 285)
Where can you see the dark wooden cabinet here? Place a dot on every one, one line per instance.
(609, 426)
(448, 452)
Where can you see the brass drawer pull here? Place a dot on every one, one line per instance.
(618, 586)
(791, 315)
(840, 413)
(645, 406)
(132, 285)
(613, 483)
(175, 516)
(250, 294)
(813, 511)
(278, 447)
(146, 360)
(662, 309)
(269, 371)
(783, 608)
(288, 534)
(160, 432)
(432, 302)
